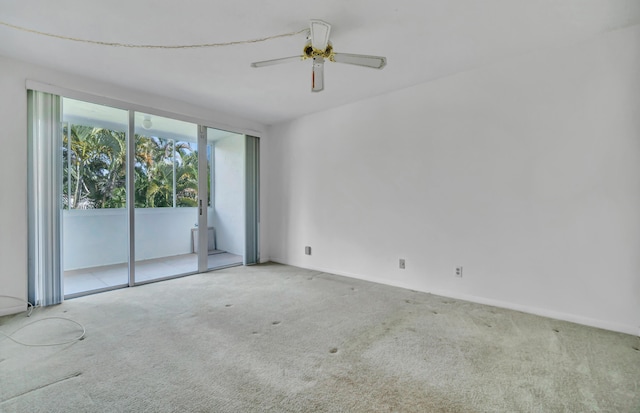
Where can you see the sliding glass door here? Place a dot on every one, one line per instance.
(136, 198)
(166, 197)
(94, 218)
(225, 213)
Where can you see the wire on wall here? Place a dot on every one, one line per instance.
(152, 46)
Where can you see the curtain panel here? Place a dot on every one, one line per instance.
(44, 185)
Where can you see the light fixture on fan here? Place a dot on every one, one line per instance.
(146, 122)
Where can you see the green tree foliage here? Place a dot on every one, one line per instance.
(187, 179)
(95, 170)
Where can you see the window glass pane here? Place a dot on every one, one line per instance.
(166, 162)
(93, 155)
(166, 178)
(186, 174)
(94, 223)
(153, 172)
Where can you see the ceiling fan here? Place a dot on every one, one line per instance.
(319, 48)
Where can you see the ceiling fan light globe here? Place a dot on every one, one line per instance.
(308, 50)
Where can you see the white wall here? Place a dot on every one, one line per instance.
(228, 214)
(164, 232)
(96, 237)
(527, 173)
(13, 192)
(13, 138)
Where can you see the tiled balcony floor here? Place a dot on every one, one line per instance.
(88, 279)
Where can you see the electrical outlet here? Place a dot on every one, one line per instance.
(307, 250)
(459, 272)
(401, 263)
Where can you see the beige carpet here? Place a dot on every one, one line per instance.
(282, 339)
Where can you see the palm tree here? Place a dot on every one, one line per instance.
(111, 188)
(154, 172)
(94, 167)
(83, 156)
(187, 178)
(95, 170)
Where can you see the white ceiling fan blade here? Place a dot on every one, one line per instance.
(276, 61)
(317, 75)
(320, 34)
(376, 62)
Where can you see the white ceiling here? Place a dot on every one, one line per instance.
(422, 40)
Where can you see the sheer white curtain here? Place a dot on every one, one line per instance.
(44, 198)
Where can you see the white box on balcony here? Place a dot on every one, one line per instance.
(194, 240)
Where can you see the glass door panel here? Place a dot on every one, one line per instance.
(166, 197)
(146, 197)
(225, 213)
(94, 216)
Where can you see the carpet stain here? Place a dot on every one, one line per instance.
(393, 394)
(68, 377)
(229, 305)
(275, 323)
(556, 330)
(333, 350)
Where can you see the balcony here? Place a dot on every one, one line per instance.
(164, 162)
(95, 246)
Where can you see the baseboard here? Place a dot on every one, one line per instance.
(13, 310)
(573, 318)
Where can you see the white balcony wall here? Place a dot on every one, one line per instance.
(94, 237)
(164, 232)
(97, 237)
(228, 215)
